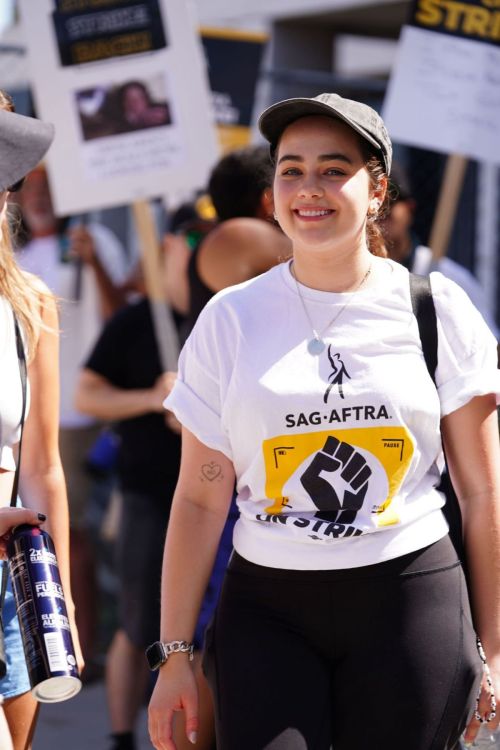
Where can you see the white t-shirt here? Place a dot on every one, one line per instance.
(10, 388)
(336, 456)
(79, 310)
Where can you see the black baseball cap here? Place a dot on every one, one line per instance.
(360, 117)
(23, 143)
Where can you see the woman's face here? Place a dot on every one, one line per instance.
(134, 101)
(36, 203)
(322, 189)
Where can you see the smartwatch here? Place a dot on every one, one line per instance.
(158, 653)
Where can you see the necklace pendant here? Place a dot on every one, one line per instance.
(315, 346)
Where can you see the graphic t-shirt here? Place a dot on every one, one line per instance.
(336, 456)
(11, 394)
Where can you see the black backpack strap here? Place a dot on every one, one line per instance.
(425, 313)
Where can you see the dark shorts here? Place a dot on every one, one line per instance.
(139, 556)
(382, 656)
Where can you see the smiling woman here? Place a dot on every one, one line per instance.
(344, 604)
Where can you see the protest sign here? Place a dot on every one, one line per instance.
(444, 91)
(125, 85)
(233, 59)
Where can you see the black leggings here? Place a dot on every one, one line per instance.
(381, 657)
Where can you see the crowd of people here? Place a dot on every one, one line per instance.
(308, 582)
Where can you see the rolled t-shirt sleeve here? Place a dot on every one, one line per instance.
(197, 398)
(467, 350)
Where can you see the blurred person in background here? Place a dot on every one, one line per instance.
(404, 247)
(246, 241)
(84, 266)
(23, 297)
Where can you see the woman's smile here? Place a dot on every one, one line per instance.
(313, 214)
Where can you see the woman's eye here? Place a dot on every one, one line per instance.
(335, 172)
(291, 171)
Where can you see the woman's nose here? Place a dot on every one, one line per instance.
(310, 187)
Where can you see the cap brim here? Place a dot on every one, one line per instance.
(278, 116)
(24, 141)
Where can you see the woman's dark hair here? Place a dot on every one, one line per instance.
(376, 170)
(238, 180)
(122, 90)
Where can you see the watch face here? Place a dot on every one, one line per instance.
(155, 656)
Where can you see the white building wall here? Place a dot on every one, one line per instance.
(258, 13)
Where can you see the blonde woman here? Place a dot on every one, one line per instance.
(23, 142)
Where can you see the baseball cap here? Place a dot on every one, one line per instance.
(360, 117)
(23, 143)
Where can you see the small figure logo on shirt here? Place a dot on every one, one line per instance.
(337, 375)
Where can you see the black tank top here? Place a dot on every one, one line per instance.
(199, 292)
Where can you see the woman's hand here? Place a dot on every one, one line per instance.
(486, 705)
(10, 517)
(175, 690)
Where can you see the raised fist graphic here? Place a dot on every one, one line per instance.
(340, 458)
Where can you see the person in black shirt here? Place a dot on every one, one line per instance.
(123, 382)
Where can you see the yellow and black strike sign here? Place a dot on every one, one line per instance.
(478, 20)
(91, 30)
(233, 61)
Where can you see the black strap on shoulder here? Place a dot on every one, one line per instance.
(23, 372)
(425, 313)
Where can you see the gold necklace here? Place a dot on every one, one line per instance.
(316, 345)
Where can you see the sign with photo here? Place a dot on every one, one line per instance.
(132, 122)
(444, 91)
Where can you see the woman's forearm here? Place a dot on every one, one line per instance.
(192, 540)
(482, 544)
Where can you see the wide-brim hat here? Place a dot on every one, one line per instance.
(362, 118)
(23, 143)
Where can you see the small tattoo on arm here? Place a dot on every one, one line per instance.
(211, 472)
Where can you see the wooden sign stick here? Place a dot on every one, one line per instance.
(449, 195)
(163, 322)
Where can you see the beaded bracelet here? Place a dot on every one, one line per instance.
(487, 674)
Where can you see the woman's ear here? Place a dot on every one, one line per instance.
(267, 203)
(378, 196)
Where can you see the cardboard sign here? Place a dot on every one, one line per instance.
(444, 91)
(133, 118)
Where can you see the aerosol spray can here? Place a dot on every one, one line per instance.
(43, 618)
